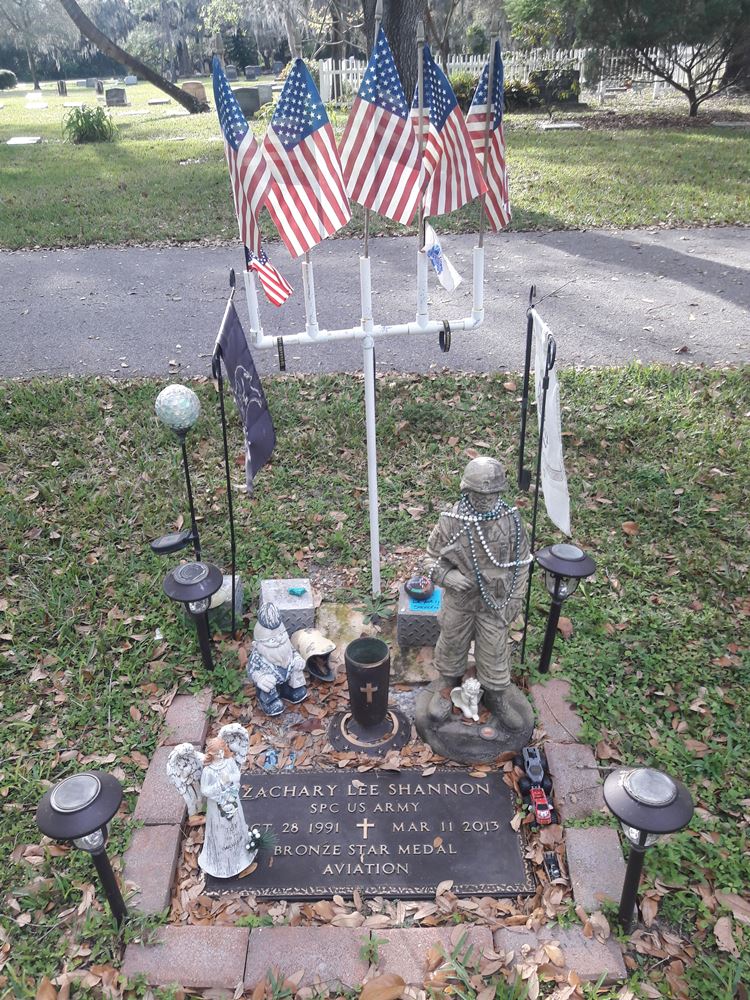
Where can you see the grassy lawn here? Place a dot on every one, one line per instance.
(91, 649)
(165, 178)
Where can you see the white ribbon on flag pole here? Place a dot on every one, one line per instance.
(553, 477)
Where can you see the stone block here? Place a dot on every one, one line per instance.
(230, 72)
(24, 140)
(416, 621)
(297, 611)
(159, 802)
(186, 720)
(131, 81)
(558, 720)
(595, 865)
(116, 97)
(328, 955)
(150, 863)
(251, 72)
(192, 957)
(586, 956)
(406, 948)
(196, 89)
(577, 787)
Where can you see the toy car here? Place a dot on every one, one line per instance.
(536, 785)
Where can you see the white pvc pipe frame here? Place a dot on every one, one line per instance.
(368, 333)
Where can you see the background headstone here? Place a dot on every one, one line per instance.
(24, 140)
(277, 68)
(91, 82)
(130, 81)
(247, 98)
(116, 97)
(231, 73)
(196, 89)
(99, 86)
(251, 72)
(62, 88)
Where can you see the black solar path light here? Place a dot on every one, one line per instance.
(648, 803)
(194, 584)
(78, 810)
(564, 566)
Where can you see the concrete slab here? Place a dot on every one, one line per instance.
(159, 803)
(575, 777)
(560, 126)
(595, 865)
(405, 951)
(150, 863)
(586, 956)
(328, 955)
(560, 722)
(192, 957)
(186, 720)
(24, 140)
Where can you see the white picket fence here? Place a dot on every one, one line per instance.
(618, 69)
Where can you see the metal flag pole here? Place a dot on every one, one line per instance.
(549, 364)
(524, 475)
(217, 374)
(368, 368)
(422, 315)
(494, 34)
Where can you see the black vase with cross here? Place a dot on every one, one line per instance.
(369, 726)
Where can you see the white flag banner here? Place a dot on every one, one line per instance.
(448, 276)
(554, 480)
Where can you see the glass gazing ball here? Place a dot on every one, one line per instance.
(178, 407)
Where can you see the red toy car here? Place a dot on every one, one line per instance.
(540, 805)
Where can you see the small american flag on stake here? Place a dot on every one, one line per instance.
(277, 289)
(306, 198)
(379, 153)
(250, 176)
(452, 170)
(497, 201)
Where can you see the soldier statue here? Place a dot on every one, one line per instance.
(480, 557)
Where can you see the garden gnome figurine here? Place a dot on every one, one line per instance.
(274, 666)
(481, 560)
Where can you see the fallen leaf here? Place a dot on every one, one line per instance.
(45, 990)
(740, 907)
(444, 886)
(389, 986)
(630, 528)
(724, 939)
(565, 627)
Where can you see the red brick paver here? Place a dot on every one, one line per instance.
(586, 956)
(405, 950)
(560, 722)
(576, 781)
(159, 802)
(595, 865)
(187, 719)
(150, 864)
(193, 957)
(326, 954)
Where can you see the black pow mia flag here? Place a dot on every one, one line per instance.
(260, 436)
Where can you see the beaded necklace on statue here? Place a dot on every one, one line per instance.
(470, 522)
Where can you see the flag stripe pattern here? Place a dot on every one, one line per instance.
(276, 288)
(248, 170)
(451, 170)
(379, 154)
(497, 201)
(306, 197)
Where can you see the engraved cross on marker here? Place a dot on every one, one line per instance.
(365, 825)
(369, 690)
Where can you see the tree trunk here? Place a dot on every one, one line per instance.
(694, 102)
(400, 19)
(32, 67)
(90, 31)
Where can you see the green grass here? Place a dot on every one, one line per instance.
(165, 178)
(658, 658)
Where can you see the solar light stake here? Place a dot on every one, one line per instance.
(564, 567)
(194, 584)
(648, 803)
(78, 810)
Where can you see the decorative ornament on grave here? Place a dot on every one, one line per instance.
(276, 669)
(213, 779)
(315, 649)
(178, 408)
(480, 557)
(369, 726)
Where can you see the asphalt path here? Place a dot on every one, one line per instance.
(609, 297)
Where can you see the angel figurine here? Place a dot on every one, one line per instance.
(228, 845)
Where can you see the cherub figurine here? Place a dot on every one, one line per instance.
(466, 697)
(274, 666)
(228, 845)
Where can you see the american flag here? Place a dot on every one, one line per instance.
(277, 289)
(379, 153)
(248, 170)
(306, 198)
(497, 201)
(452, 171)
